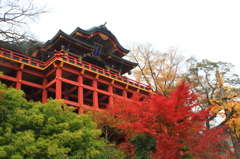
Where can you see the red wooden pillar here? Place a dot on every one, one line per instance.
(19, 79)
(95, 94)
(44, 92)
(80, 90)
(80, 110)
(58, 83)
(124, 93)
(110, 90)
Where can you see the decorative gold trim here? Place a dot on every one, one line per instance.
(22, 66)
(61, 64)
(54, 65)
(34, 54)
(112, 82)
(82, 72)
(95, 43)
(97, 76)
(138, 90)
(103, 36)
(78, 33)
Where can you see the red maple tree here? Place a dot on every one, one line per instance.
(173, 121)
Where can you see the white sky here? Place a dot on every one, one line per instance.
(208, 29)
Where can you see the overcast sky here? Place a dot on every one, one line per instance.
(208, 29)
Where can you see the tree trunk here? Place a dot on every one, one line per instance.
(235, 140)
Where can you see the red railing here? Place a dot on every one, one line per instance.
(59, 55)
(103, 71)
(22, 58)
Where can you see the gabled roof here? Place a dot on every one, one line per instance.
(60, 32)
(102, 29)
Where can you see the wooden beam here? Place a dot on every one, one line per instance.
(32, 84)
(71, 103)
(103, 98)
(70, 82)
(35, 73)
(51, 90)
(8, 78)
(73, 71)
(104, 81)
(88, 93)
(71, 90)
(103, 92)
(50, 83)
(9, 65)
(36, 93)
(50, 72)
(88, 87)
(64, 91)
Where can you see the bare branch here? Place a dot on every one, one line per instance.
(156, 68)
(15, 16)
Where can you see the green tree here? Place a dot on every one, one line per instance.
(36, 130)
(105, 122)
(143, 144)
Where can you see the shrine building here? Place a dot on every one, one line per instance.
(85, 69)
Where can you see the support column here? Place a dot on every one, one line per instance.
(80, 90)
(124, 93)
(19, 79)
(58, 83)
(110, 90)
(95, 94)
(80, 111)
(44, 92)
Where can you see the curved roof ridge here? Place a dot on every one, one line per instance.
(60, 32)
(101, 29)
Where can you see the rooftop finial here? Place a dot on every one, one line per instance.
(103, 26)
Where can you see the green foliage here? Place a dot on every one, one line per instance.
(105, 122)
(36, 130)
(143, 144)
(185, 150)
(186, 156)
(109, 151)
